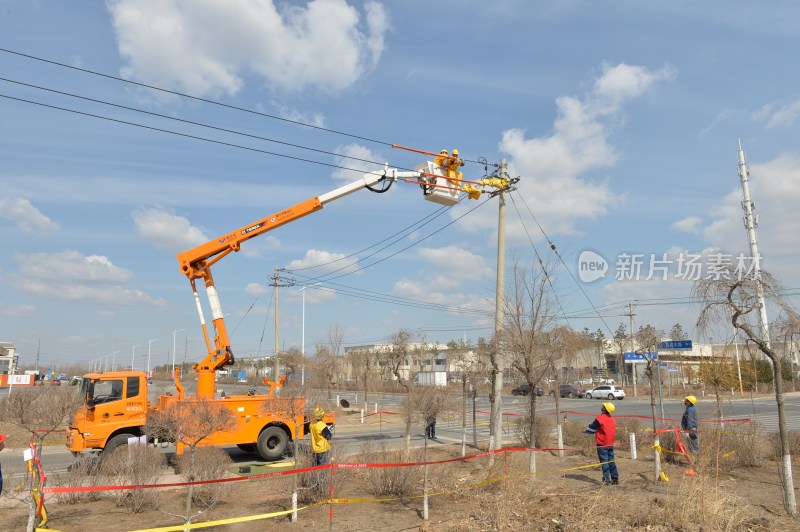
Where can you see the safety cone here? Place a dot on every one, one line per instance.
(690, 472)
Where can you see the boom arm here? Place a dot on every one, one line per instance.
(196, 264)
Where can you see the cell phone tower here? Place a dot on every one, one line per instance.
(750, 224)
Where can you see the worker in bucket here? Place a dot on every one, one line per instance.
(689, 423)
(604, 428)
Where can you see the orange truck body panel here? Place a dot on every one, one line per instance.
(94, 425)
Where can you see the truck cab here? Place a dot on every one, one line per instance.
(114, 409)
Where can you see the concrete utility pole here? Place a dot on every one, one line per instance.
(277, 364)
(276, 280)
(499, 317)
(750, 224)
(633, 346)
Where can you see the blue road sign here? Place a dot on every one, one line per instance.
(638, 358)
(675, 345)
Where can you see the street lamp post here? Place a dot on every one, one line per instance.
(149, 343)
(133, 355)
(173, 349)
(303, 336)
(113, 359)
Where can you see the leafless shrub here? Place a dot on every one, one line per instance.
(775, 444)
(575, 438)
(189, 423)
(209, 463)
(133, 465)
(700, 503)
(314, 485)
(542, 429)
(82, 472)
(398, 481)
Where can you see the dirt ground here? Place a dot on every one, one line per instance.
(564, 494)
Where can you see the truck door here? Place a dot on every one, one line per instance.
(107, 407)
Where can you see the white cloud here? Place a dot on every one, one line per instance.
(457, 262)
(451, 266)
(25, 216)
(71, 276)
(316, 120)
(559, 180)
(774, 116)
(690, 224)
(325, 261)
(208, 46)
(355, 167)
(258, 247)
(255, 290)
(167, 231)
(17, 312)
(774, 188)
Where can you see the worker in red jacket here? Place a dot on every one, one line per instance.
(604, 428)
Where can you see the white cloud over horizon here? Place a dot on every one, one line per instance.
(72, 276)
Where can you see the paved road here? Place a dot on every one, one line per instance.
(388, 427)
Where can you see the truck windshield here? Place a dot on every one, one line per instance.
(104, 391)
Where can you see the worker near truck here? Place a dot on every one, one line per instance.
(320, 439)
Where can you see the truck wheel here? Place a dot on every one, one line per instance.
(117, 441)
(272, 443)
(247, 447)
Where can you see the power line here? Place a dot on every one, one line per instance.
(191, 122)
(206, 100)
(195, 137)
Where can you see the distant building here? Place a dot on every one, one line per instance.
(7, 357)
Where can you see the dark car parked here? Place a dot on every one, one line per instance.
(568, 390)
(525, 389)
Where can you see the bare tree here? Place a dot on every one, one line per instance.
(646, 338)
(327, 364)
(39, 410)
(189, 423)
(428, 403)
(621, 341)
(732, 297)
(529, 338)
(363, 363)
(397, 359)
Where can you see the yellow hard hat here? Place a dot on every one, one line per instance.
(609, 407)
(443, 152)
(691, 398)
(455, 152)
(319, 414)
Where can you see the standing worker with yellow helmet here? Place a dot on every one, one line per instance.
(689, 423)
(320, 439)
(604, 428)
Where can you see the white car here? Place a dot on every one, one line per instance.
(605, 392)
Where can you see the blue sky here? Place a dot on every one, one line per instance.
(621, 119)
